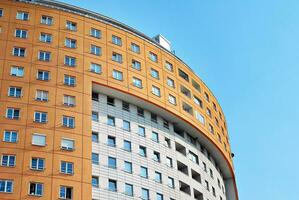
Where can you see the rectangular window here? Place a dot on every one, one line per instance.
(143, 172)
(69, 100)
(170, 182)
(43, 75)
(136, 65)
(110, 101)
(193, 157)
(207, 185)
(38, 139)
(66, 167)
(209, 113)
(140, 112)
(42, 95)
(142, 151)
(95, 116)
(169, 162)
(95, 50)
(170, 82)
(44, 56)
(127, 145)
(207, 97)
(22, 16)
(196, 85)
(129, 189)
(68, 122)
(183, 75)
(153, 57)
(111, 141)
(167, 142)
(154, 73)
(118, 75)
(145, 194)
(69, 80)
(66, 192)
(112, 162)
(187, 108)
(15, 92)
(211, 129)
(126, 125)
(70, 43)
(199, 117)
(185, 91)
(95, 158)
(95, 68)
(158, 177)
(159, 196)
(168, 66)
(70, 61)
(67, 144)
(8, 160)
(17, 71)
(40, 117)
(95, 136)
(36, 189)
(95, 181)
(37, 164)
(20, 33)
(137, 82)
(1, 12)
(6, 186)
(165, 124)
(135, 48)
(95, 33)
(72, 26)
(155, 136)
(156, 91)
(46, 38)
(13, 113)
(125, 106)
(141, 131)
(111, 120)
(156, 156)
(211, 173)
(197, 101)
(47, 20)
(128, 167)
(116, 40)
(112, 185)
(19, 51)
(117, 57)
(154, 118)
(10, 136)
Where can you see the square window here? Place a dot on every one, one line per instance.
(72, 26)
(154, 118)
(118, 75)
(110, 101)
(141, 131)
(111, 141)
(116, 40)
(169, 66)
(37, 164)
(126, 125)
(47, 20)
(136, 65)
(95, 68)
(143, 172)
(36, 189)
(95, 33)
(170, 182)
(153, 57)
(157, 157)
(38, 139)
(129, 189)
(154, 73)
(46, 38)
(69, 100)
(96, 50)
(170, 82)
(125, 106)
(10, 136)
(68, 122)
(70, 61)
(42, 95)
(169, 162)
(70, 43)
(127, 145)
(156, 91)
(17, 71)
(112, 162)
(67, 144)
(137, 82)
(6, 186)
(145, 194)
(128, 167)
(66, 192)
(111, 120)
(135, 48)
(40, 117)
(117, 57)
(112, 185)
(159, 196)
(20, 33)
(66, 167)
(140, 112)
(142, 151)
(44, 56)
(43, 75)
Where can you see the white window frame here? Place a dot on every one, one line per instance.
(39, 135)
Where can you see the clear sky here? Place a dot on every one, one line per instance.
(247, 52)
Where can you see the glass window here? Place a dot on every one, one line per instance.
(42, 95)
(207, 97)
(95, 116)
(207, 185)
(1, 12)
(118, 75)
(127, 145)
(169, 162)
(95, 50)
(137, 82)
(111, 120)
(66, 192)
(67, 144)
(112, 162)
(154, 118)
(13, 113)
(142, 151)
(44, 56)
(199, 117)
(111, 141)
(167, 142)
(116, 40)
(136, 65)
(129, 189)
(45, 37)
(95, 158)
(157, 157)
(19, 51)
(95, 137)
(6, 186)
(183, 75)
(140, 112)
(143, 172)
(68, 121)
(112, 185)
(95, 68)
(36, 189)
(196, 85)
(22, 16)
(168, 66)
(197, 101)
(70, 61)
(20, 33)
(126, 125)
(69, 80)
(170, 182)
(155, 136)
(38, 139)
(95, 181)
(72, 26)
(159, 196)
(158, 177)
(117, 57)
(193, 157)
(145, 194)
(170, 82)
(128, 167)
(17, 71)
(95, 33)
(8, 160)
(69, 100)
(15, 92)
(153, 57)
(66, 167)
(154, 73)
(125, 106)
(40, 117)
(70, 43)
(43, 75)
(141, 131)
(47, 20)
(135, 48)
(110, 101)
(10, 136)
(156, 91)
(37, 163)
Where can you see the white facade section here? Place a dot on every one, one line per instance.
(189, 160)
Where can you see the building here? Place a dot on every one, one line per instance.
(93, 109)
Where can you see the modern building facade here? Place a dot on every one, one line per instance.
(93, 109)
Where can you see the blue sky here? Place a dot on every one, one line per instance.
(247, 52)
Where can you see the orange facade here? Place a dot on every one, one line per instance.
(55, 108)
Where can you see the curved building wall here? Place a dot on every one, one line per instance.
(52, 56)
